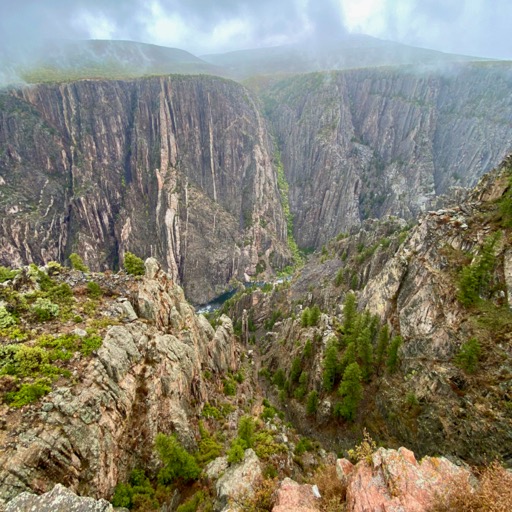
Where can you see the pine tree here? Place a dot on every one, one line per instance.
(330, 366)
(349, 314)
(469, 355)
(349, 356)
(392, 359)
(382, 345)
(365, 351)
(312, 403)
(351, 390)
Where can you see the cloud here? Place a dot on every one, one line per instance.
(477, 27)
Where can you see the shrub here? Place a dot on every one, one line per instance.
(6, 319)
(475, 279)
(493, 493)
(45, 309)
(94, 290)
(28, 393)
(331, 488)
(469, 355)
(178, 463)
(364, 450)
(90, 344)
(192, 504)
(229, 387)
(304, 445)
(236, 451)
(77, 262)
(6, 274)
(246, 429)
(279, 378)
(133, 264)
(209, 448)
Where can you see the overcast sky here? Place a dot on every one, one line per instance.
(473, 27)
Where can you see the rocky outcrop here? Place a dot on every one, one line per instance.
(146, 378)
(394, 480)
(366, 143)
(179, 168)
(292, 496)
(59, 499)
(238, 482)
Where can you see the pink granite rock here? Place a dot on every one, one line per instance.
(395, 482)
(293, 497)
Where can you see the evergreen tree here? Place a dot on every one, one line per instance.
(365, 351)
(330, 365)
(246, 431)
(178, 463)
(392, 359)
(382, 345)
(312, 403)
(349, 314)
(308, 351)
(295, 370)
(348, 357)
(469, 355)
(351, 390)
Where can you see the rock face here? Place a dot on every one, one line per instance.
(59, 499)
(395, 481)
(146, 378)
(238, 481)
(296, 497)
(179, 168)
(366, 143)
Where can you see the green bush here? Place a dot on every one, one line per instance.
(229, 387)
(90, 344)
(178, 463)
(246, 428)
(6, 274)
(6, 319)
(295, 370)
(133, 264)
(236, 451)
(192, 504)
(94, 290)
(475, 280)
(279, 378)
(77, 262)
(469, 355)
(28, 393)
(310, 316)
(208, 448)
(45, 309)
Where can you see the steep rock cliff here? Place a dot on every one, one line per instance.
(147, 377)
(179, 168)
(410, 280)
(370, 142)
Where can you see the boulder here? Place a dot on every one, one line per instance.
(59, 499)
(238, 480)
(395, 481)
(296, 497)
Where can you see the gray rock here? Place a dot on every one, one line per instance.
(239, 479)
(59, 499)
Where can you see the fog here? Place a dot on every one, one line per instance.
(471, 27)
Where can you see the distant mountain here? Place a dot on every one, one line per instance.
(354, 51)
(71, 60)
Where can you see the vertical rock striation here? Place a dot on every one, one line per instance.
(179, 168)
(371, 142)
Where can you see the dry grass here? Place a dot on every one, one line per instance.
(331, 489)
(492, 494)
